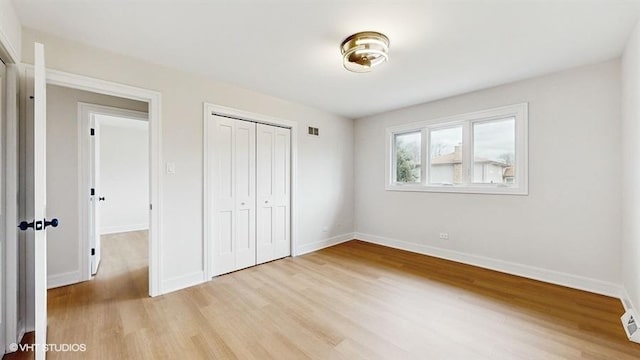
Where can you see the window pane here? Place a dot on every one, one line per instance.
(446, 156)
(494, 151)
(407, 150)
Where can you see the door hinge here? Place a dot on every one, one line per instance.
(93, 251)
(150, 207)
(93, 131)
(93, 191)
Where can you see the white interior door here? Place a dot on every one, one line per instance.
(233, 175)
(96, 198)
(40, 200)
(273, 240)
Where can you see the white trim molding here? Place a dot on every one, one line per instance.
(183, 281)
(64, 279)
(11, 167)
(123, 228)
(7, 48)
(530, 272)
(625, 299)
(328, 242)
(154, 99)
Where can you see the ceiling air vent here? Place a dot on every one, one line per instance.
(631, 326)
(313, 131)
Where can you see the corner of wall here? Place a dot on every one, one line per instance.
(630, 202)
(10, 32)
(318, 245)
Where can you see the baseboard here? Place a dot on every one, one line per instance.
(315, 246)
(626, 299)
(21, 331)
(531, 272)
(123, 228)
(64, 279)
(182, 282)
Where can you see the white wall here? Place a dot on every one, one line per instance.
(567, 230)
(631, 170)
(10, 30)
(64, 244)
(325, 179)
(124, 174)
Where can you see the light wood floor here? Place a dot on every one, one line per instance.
(354, 300)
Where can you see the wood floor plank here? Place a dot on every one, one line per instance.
(354, 300)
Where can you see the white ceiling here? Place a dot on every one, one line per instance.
(290, 49)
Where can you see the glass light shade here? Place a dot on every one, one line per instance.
(364, 50)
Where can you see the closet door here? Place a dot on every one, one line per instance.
(234, 215)
(273, 193)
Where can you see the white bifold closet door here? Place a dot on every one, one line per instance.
(251, 182)
(273, 193)
(235, 196)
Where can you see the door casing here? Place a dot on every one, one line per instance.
(154, 99)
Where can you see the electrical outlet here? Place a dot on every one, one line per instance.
(325, 229)
(444, 236)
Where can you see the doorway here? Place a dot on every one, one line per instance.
(153, 99)
(116, 176)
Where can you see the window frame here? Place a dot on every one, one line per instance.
(467, 121)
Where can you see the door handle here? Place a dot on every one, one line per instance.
(101, 198)
(54, 222)
(38, 225)
(25, 225)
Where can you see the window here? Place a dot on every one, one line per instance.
(407, 148)
(445, 156)
(481, 152)
(494, 151)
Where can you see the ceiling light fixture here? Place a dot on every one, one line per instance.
(364, 50)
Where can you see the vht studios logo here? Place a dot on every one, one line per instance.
(49, 347)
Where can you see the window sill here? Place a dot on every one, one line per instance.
(490, 189)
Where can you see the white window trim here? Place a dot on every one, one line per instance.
(519, 111)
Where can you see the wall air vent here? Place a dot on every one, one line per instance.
(313, 131)
(631, 326)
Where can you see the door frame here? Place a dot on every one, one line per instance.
(154, 99)
(84, 171)
(208, 110)
(13, 320)
(12, 317)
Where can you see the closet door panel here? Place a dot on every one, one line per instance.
(282, 192)
(224, 215)
(245, 187)
(234, 195)
(273, 193)
(264, 176)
